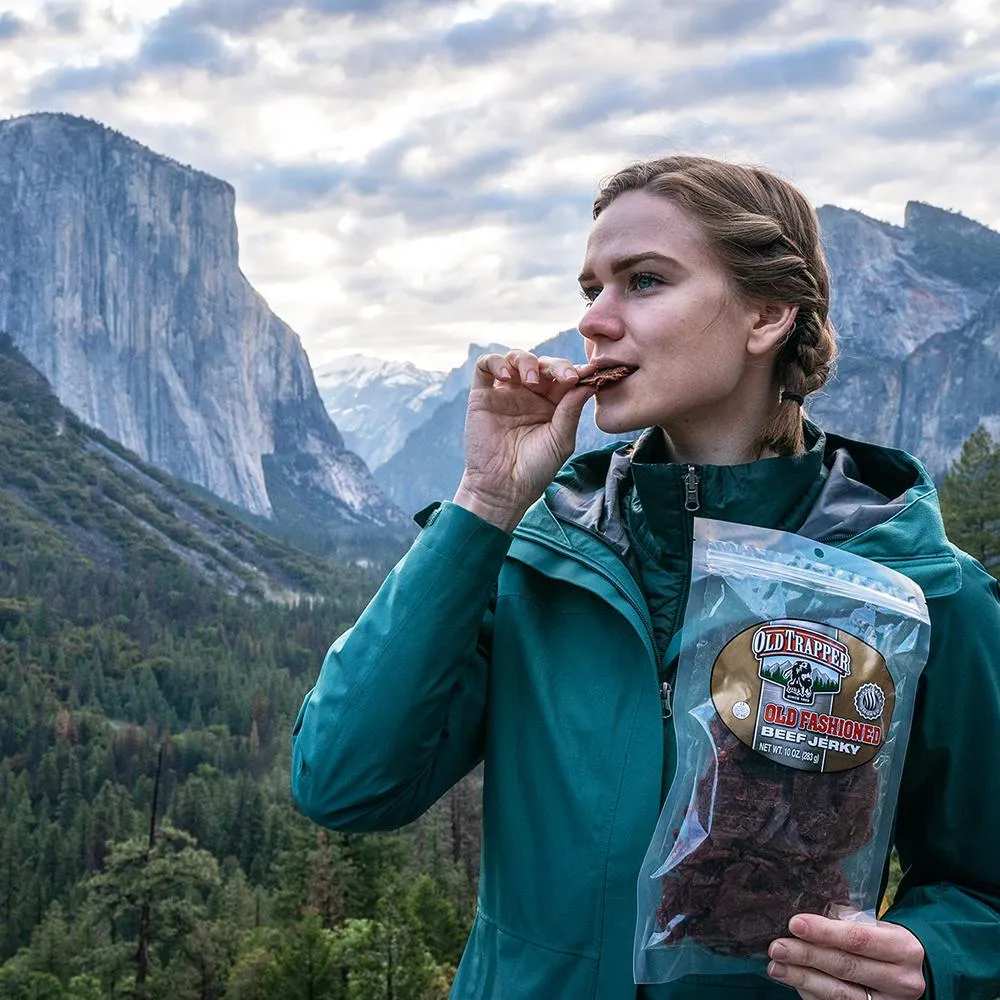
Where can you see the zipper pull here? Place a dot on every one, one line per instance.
(691, 481)
(665, 699)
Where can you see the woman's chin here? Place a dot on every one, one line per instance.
(614, 419)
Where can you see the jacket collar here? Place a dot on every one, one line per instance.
(878, 502)
(771, 493)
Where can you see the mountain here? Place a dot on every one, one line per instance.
(918, 323)
(67, 488)
(121, 284)
(896, 289)
(951, 385)
(154, 651)
(376, 403)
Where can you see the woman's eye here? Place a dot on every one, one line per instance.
(586, 292)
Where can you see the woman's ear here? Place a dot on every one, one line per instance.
(772, 323)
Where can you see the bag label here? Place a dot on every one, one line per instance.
(804, 694)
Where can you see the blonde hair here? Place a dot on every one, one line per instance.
(765, 235)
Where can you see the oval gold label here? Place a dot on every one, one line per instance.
(804, 694)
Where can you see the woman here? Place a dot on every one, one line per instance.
(534, 623)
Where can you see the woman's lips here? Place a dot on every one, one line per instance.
(607, 376)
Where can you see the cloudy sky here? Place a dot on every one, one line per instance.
(414, 176)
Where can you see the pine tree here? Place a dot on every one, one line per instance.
(970, 499)
(307, 965)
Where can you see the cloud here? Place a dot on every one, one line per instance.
(832, 62)
(10, 26)
(63, 17)
(56, 83)
(936, 47)
(726, 20)
(350, 128)
(451, 192)
(177, 40)
(248, 17)
(510, 27)
(966, 103)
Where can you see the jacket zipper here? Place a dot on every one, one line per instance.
(665, 693)
(691, 481)
(692, 502)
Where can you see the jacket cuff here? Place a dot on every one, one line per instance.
(464, 538)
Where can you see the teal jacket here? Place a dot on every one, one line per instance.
(548, 653)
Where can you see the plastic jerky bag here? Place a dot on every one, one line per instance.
(794, 695)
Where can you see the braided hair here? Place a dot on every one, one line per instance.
(765, 235)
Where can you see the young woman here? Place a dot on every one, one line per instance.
(535, 621)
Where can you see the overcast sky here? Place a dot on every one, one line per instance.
(411, 177)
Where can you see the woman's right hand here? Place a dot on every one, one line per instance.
(519, 433)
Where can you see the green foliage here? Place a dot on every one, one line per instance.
(970, 499)
(133, 616)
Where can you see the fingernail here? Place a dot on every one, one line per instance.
(797, 925)
(776, 970)
(569, 373)
(531, 377)
(779, 951)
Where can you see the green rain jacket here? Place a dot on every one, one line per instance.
(549, 653)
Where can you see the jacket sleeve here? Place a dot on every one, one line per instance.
(948, 818)
(396, 716)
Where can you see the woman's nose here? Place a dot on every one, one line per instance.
(597, 322)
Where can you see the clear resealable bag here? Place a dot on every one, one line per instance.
(794, 696)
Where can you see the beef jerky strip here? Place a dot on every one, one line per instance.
(607, 376)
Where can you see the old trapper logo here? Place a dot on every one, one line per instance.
(802, 662)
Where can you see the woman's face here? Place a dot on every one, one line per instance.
(677, 321)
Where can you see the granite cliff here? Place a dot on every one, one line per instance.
(120, 282)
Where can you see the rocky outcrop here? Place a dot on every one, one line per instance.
(121, 284)
(894, 290)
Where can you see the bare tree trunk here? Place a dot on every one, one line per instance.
(145, 918)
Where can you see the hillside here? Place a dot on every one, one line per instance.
(68, 488)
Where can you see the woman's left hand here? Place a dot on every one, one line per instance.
(838, 960)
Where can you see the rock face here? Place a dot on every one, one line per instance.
(121, 284)
(896, 291)
(951, 385)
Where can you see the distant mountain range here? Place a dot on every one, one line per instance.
(917, 309)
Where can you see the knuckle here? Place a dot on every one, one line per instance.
(915, 952)
(858, 938)
(794, 975)
(915, 988)
(846, 966)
